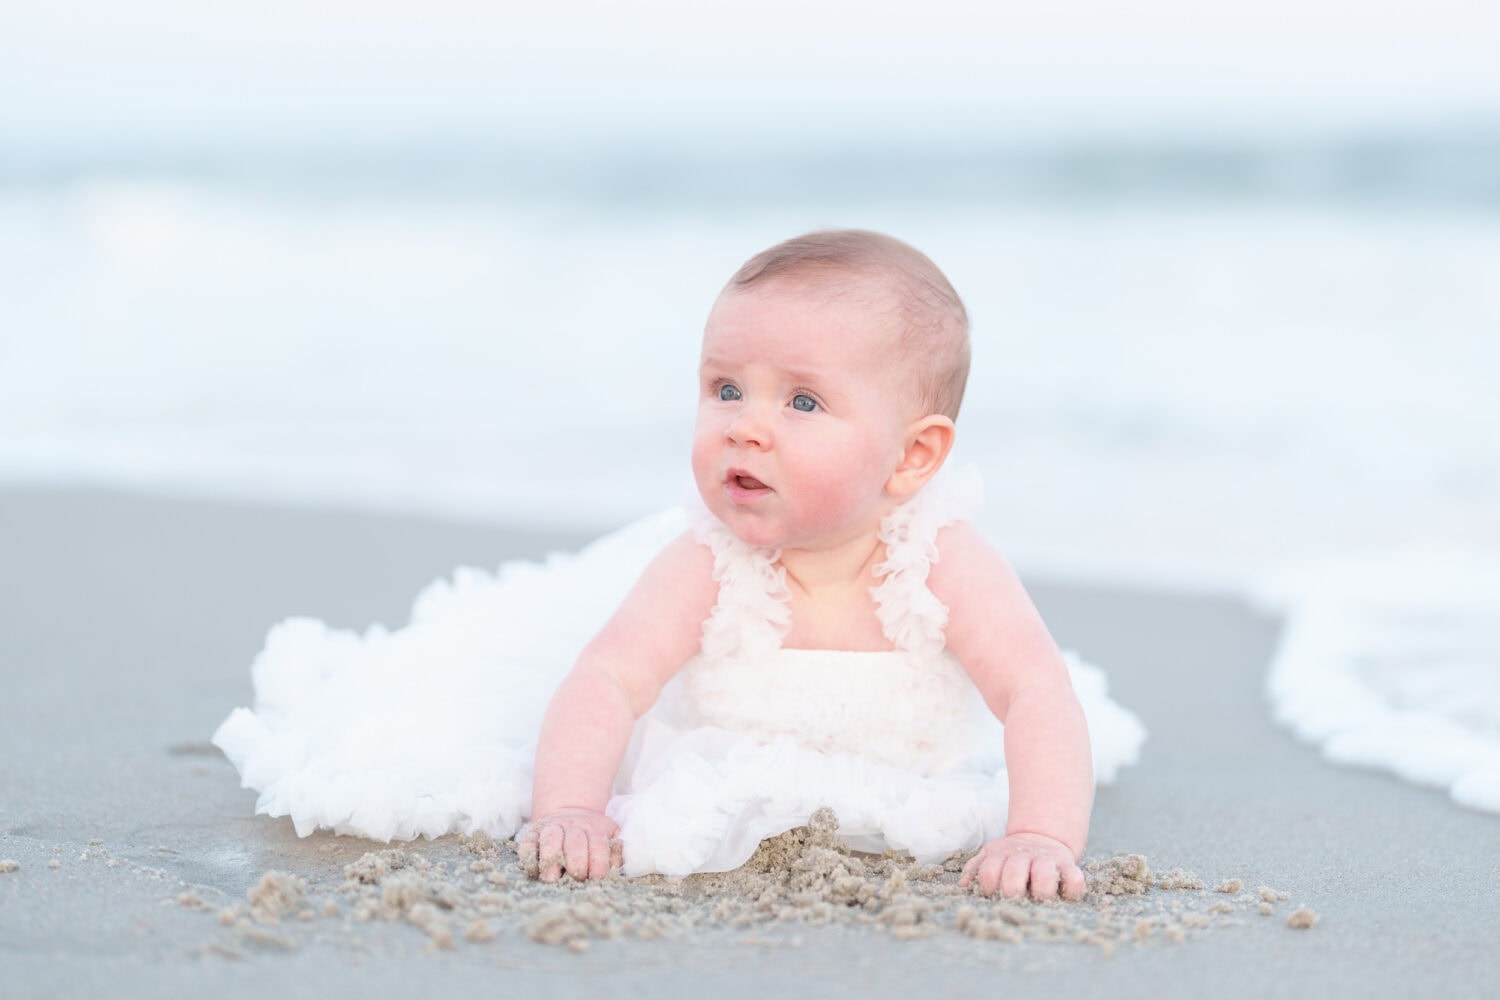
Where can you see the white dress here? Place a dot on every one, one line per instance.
(431, 728)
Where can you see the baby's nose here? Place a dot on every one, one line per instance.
(749, 428)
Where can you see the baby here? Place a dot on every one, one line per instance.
(832, 370)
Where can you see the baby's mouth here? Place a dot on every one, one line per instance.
(748, 483)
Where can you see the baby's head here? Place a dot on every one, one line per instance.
(924, 326)
(833, 366)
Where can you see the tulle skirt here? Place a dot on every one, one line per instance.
(431, 729)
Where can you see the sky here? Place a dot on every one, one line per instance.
(111, 68)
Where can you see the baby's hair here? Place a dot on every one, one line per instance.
(934, 326)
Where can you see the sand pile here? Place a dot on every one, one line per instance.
(474, 890)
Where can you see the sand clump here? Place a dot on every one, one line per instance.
(269, 939)
(1268, 899)
(1301, 919)
(1122, 875)
(807, 876)
(1178, 879)
(473, 889)
(479, 931)
(276, 895)
(8, 865)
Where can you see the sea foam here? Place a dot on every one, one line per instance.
(1393, 663)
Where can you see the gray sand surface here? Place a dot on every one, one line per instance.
(127, 625)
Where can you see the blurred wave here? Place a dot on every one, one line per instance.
(1454, 167)
(1199, 362)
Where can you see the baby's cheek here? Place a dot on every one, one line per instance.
(704, 457)
(830, 496)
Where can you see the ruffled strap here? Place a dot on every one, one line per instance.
(752, 614)
(911, 616)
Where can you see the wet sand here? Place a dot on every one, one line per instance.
(127, 625)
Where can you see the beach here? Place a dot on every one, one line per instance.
(127, 626)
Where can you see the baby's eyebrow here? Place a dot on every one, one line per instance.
(799, 376)
(803, 377)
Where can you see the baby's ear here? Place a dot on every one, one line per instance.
(928, 442)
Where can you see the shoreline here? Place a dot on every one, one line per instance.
(127, 627)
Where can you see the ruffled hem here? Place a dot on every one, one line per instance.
(427, 729)
(414, 791)
(702, 800)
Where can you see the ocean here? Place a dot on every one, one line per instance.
(1257, 367)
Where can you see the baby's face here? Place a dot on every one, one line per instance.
(801, 420)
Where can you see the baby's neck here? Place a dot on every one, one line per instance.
(838, 567)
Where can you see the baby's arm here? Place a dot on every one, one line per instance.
(588, 724)
(996, 633)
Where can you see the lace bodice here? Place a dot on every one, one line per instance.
(911, 707)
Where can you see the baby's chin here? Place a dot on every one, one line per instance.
(751, 530)
(768, 534)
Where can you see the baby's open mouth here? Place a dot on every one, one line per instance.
(748, 483)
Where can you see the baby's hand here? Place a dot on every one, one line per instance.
(1012, 863)
(577, 842)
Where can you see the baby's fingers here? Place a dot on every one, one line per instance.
(550, 852)
(970, 867)
(576, 852)
(1044, 879)
(1014, 876)
(527, 849)
(1074, 885)
(986, 867)
(600, 856)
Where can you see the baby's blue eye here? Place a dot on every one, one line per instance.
(802, 401)
(728, 393)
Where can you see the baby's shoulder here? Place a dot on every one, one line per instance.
(960, 543)
(967, 568)
(685, 559)
(677, 581)
(993, 627)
